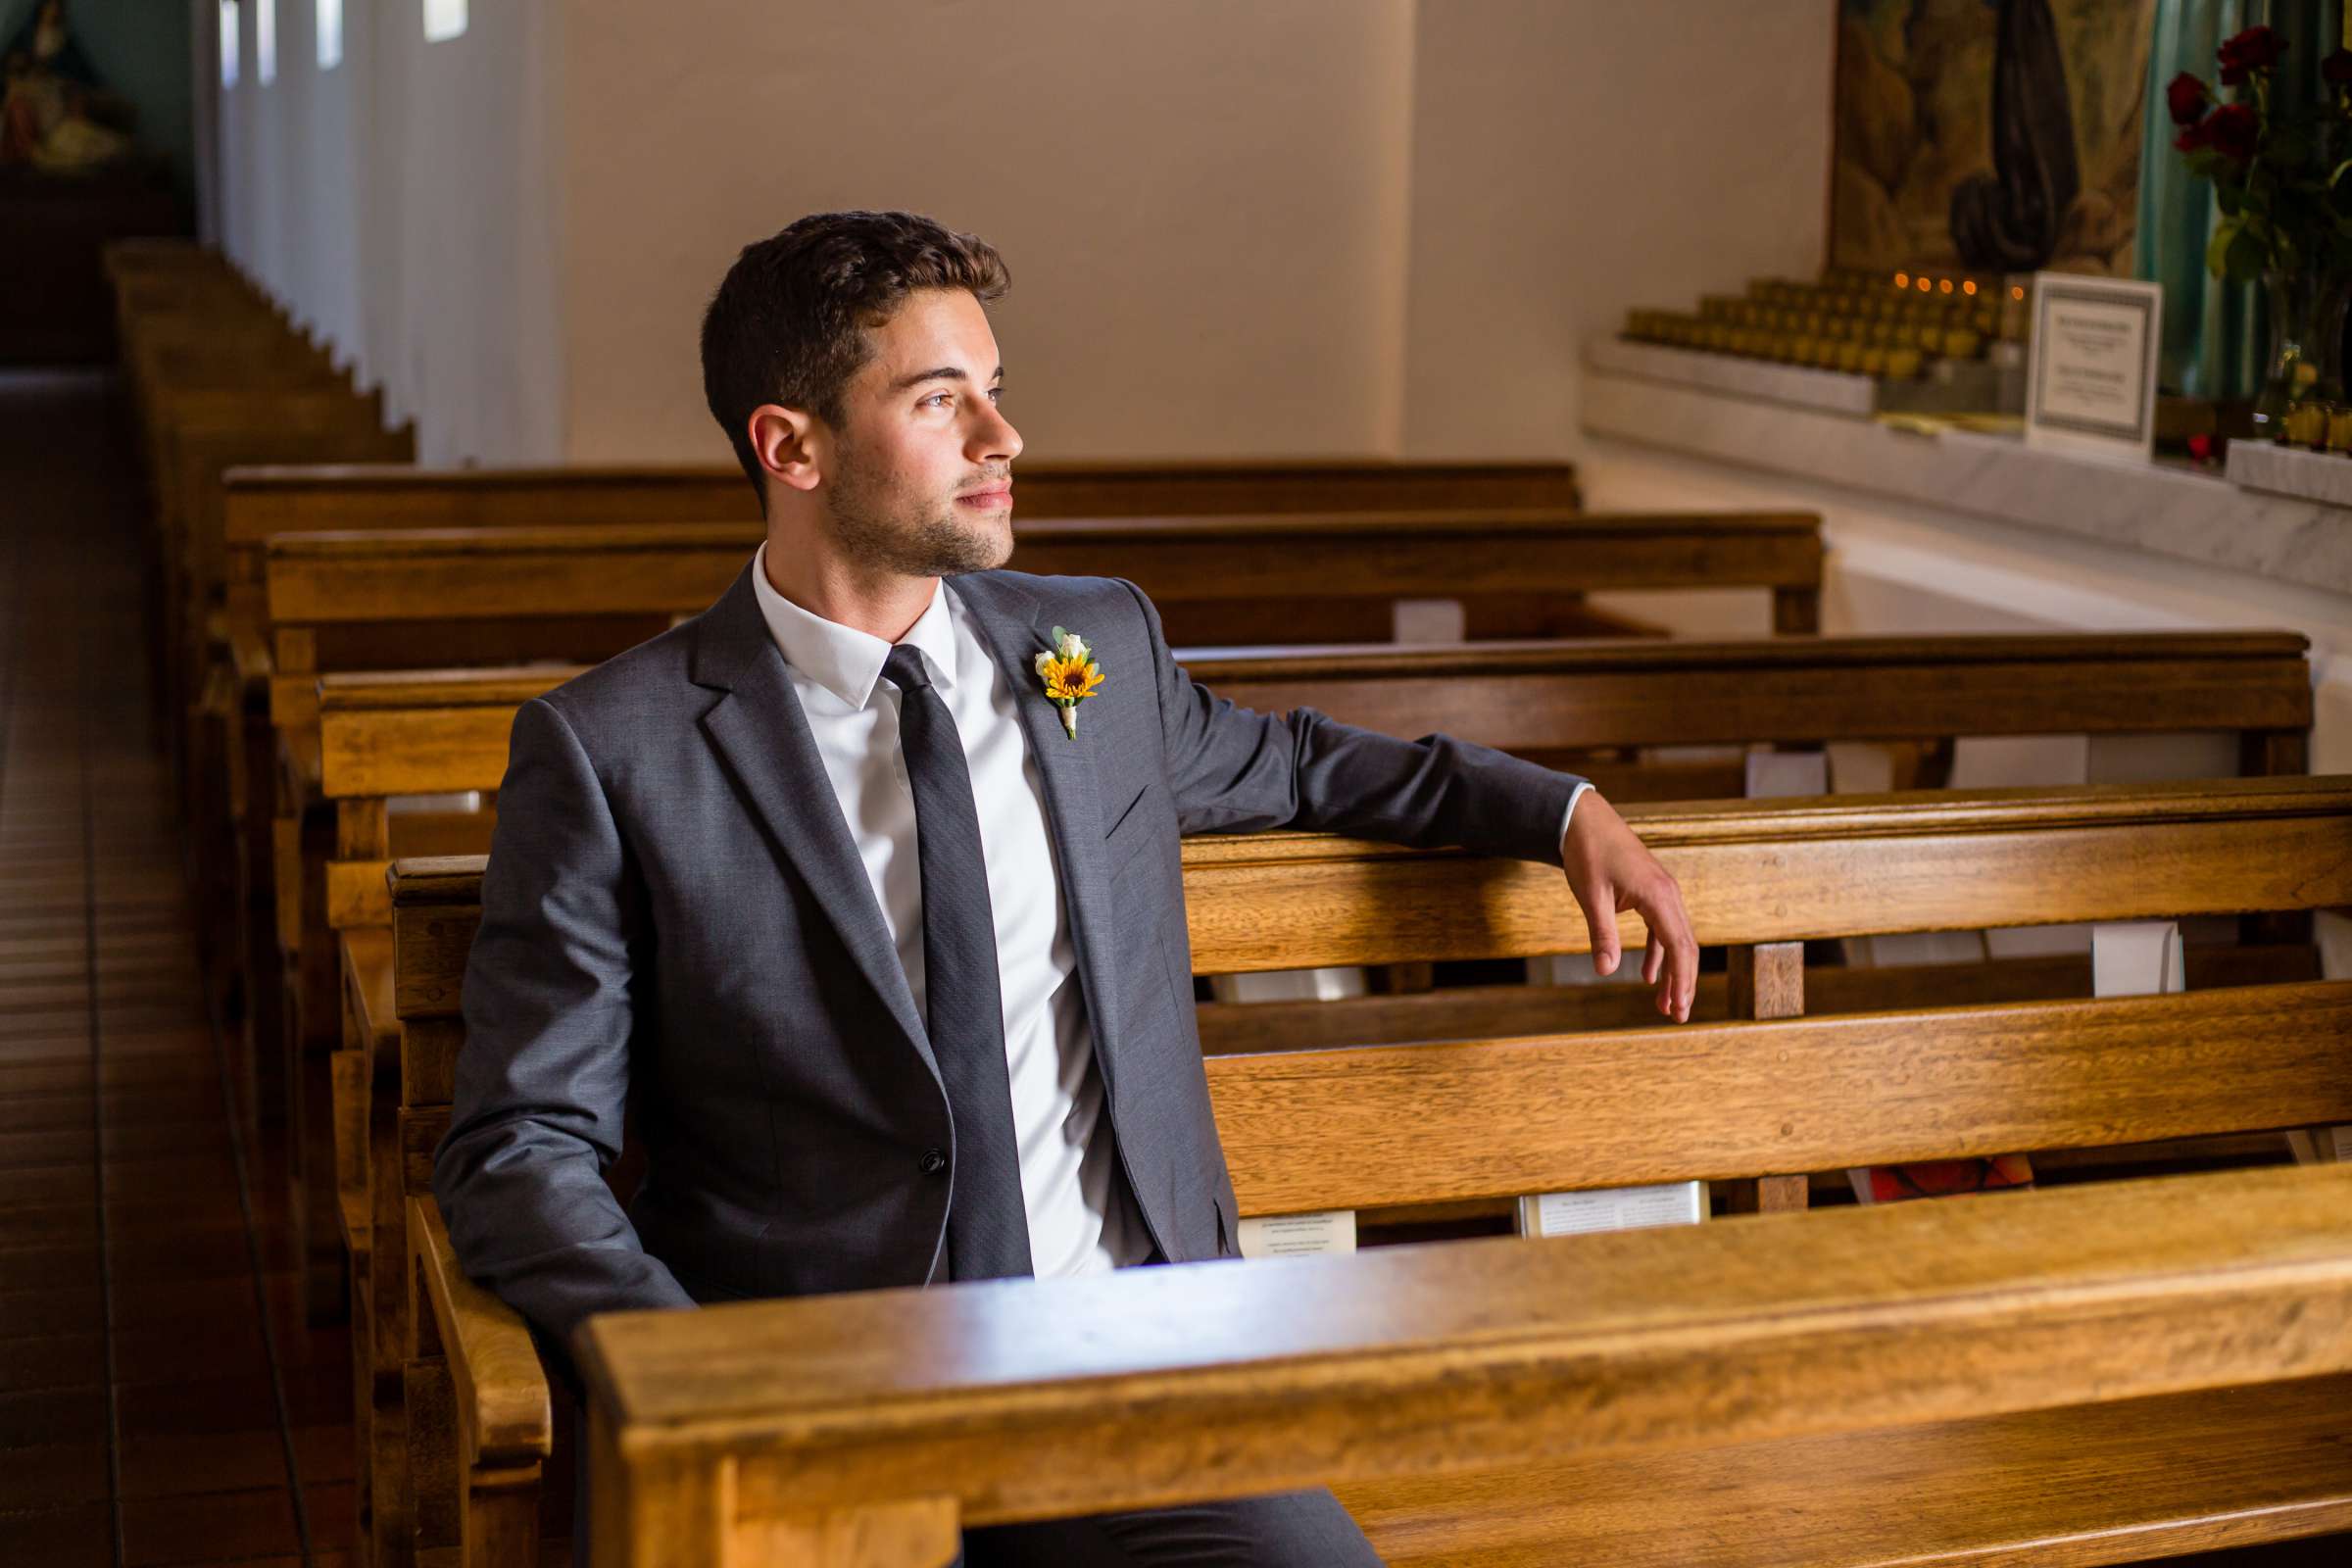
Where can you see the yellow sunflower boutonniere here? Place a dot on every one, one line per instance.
(1070, 675)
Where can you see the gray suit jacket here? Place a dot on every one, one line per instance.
(674, 915)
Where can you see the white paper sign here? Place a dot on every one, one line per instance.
(1615, 1209)
(1299, 1235)
(2137, 958)
(2090, 381)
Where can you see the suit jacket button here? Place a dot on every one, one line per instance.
(935, 1162)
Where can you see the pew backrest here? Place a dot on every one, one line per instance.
(395, 733)
(266, 499)
(897, 1418)
(1208, 575)
(1574, 1111)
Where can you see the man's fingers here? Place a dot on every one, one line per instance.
(1672, 962)
(1686, 979)
(1600, 921)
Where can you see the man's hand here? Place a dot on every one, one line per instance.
(1609, 870)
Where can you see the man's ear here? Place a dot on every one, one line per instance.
(787, 444)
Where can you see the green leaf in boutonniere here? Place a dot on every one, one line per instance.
(1070, 675)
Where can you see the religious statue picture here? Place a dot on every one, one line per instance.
(55, 115)
(1988, 135)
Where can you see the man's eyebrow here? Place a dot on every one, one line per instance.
(944, 373)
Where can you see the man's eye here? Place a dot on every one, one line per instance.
(996, 394)
(937, 400)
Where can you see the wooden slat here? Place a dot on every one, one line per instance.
(1354, 1128)
(1491, 1011)
(443, 574)
(1847, 865)
(420, 731)
(1749, 871)
(2053, 1489)
(1223, 1381)
(1654, 693)
(434, 574)
(264, 501)
(1405, 1125)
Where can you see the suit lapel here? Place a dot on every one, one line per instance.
(760, 730)
(1015, 626)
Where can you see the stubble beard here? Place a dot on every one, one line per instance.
(926, 540)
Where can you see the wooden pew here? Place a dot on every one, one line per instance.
(596, 590)
(258, 504)
(622, 583)
(304, 500)
(391, 735)
(263, 502)
(216, 374)
(1368, 1126)
(1636, 1369)
(354, 601)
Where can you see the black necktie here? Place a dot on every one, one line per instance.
(987, 1229)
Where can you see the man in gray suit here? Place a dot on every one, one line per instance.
(885, 947)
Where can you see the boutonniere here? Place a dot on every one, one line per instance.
(1070, 675)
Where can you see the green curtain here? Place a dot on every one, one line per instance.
(2216, 334)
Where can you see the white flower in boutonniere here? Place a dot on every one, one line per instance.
(1070, 675)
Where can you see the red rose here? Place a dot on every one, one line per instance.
(2255, 49)
(2233, 130)
(2188, 96)
(2192, 138)
(2337, 67)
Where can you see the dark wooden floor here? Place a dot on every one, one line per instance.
(160, 1400)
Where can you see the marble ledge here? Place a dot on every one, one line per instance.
(2164, 509)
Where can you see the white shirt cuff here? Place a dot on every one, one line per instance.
(1569, 816)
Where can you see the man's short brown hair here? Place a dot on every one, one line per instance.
(789, 322)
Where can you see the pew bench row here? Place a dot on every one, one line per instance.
(2093, 1308)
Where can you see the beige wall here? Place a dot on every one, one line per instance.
(1201, 202)
(1236, 226)
(1573, 159)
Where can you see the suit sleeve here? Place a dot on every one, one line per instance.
(1231, 769)
(543, 1076)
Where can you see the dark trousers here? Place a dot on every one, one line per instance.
(1288, 1530)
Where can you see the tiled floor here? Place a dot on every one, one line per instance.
(161, 1399)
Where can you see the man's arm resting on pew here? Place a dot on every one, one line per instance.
(1230, 770)
(544, 1074)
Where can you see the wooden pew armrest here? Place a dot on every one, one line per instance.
(503, 1412)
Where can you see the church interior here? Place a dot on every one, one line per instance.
(1898, 452)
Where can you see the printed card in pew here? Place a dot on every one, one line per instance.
(1615, 1209)
(2091, 382)
(1299, 1235)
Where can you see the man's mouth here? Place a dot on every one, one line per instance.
(997, 496)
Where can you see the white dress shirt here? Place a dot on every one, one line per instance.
(1081, 1220)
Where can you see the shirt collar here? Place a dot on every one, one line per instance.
(843, 660)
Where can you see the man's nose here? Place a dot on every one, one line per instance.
(994, 439)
